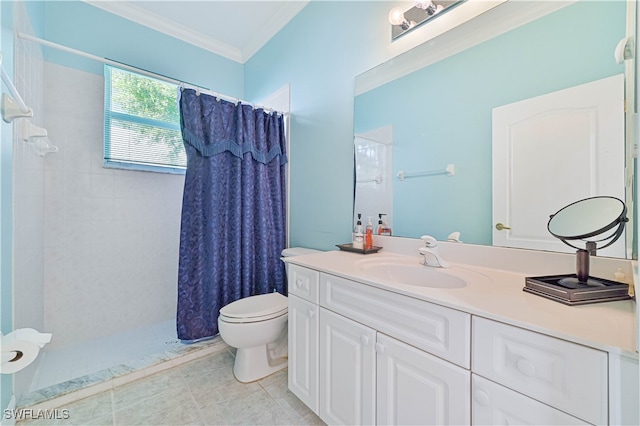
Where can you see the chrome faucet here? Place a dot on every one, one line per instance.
(431, 253)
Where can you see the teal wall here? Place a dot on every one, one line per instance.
(445, 114)
(87, 28)
(325, 46)
(319, 53)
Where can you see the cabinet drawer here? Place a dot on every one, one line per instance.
(303, 282)
(495, 404)
(441, 331)
(567, 376)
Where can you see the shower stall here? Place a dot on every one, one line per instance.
(95, 249)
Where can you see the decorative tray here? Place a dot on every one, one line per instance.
(349, 247)
(576, 293)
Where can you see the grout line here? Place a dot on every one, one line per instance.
(113, 407)
(200, 415)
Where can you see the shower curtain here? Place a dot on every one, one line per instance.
(233, 226)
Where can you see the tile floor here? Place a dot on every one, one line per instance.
(200, 392)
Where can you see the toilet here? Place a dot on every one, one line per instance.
(257, 327)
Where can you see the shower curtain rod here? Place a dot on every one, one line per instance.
(198, 89)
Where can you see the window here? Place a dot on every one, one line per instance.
(141, 123)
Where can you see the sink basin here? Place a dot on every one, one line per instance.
(411, 272)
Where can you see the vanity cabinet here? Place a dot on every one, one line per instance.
(367, 377)
(561, 374)
(381, 356)
(362, 354)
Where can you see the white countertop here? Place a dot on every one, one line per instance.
(609, 326)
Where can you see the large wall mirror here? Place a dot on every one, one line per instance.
(424, 138)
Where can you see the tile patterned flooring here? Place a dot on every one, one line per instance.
(200, 392)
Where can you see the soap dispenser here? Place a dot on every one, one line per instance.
(368, 239)
(383, 228)
(358, 238)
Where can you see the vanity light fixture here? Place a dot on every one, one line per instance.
(421, 12)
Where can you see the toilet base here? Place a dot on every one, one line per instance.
(252, 364)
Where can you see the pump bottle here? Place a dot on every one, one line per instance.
(368, 239)
(358, 238)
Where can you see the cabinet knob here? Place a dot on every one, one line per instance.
(364, 339)
(481, 397)
(311, 313)
(526, 367)
(298, 283)
(379, 347)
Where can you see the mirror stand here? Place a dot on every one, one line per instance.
(582, 268)
(585, 220)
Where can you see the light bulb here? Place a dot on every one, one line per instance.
(428, 6)
(396, 16)
(422, 4)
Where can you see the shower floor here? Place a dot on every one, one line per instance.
(64, 370)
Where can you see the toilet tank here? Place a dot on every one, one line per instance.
(297, 251)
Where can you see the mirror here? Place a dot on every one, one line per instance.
(589, 220)
(433, 124)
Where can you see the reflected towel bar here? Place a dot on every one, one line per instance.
(450, 170)
(376, 179)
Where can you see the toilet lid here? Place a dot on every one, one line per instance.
(260, 307)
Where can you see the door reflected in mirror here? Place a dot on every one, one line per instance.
(442, 114)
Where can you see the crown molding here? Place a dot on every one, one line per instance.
(143, 17)
(287, 11)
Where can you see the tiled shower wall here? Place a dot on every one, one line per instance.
(28, 279)
(111, 237)
(96, 250)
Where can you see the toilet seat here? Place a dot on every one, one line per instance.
(255, 308)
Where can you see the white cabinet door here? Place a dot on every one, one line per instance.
(415, 388)
(347, 371)
(303, 351)
(496, 405)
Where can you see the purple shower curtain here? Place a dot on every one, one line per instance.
(233, 226)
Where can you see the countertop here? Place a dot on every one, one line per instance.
(609, 326)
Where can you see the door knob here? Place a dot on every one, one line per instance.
(500, 226)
